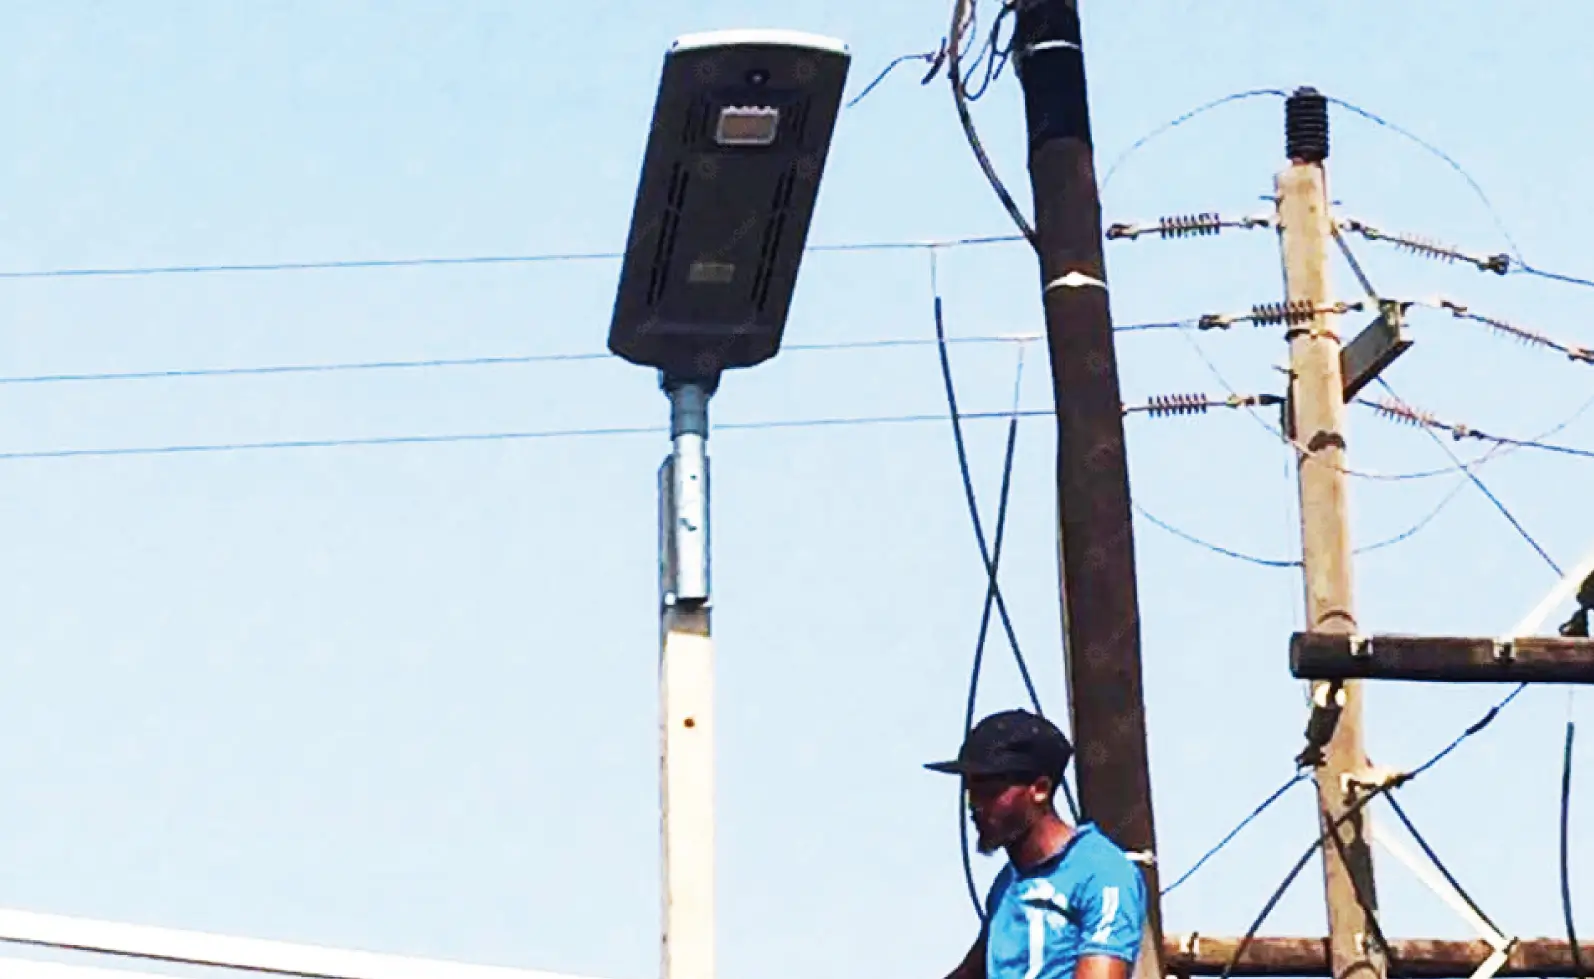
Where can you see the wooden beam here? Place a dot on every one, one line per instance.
(1441, 659)
(1414, 958)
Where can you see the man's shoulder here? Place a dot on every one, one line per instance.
(1094, 854)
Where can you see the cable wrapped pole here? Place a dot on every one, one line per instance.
(1101, 618)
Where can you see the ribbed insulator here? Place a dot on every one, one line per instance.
(1306, 126)
(1163, 405)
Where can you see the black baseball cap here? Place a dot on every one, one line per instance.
(1014, 743)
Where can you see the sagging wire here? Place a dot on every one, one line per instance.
(991, 559)
(1214, 548)
(1473, 476)
(1266, 804)
(985, 623)
(1180, 120)
(1350, 813)
(1446, 158)
(969, 495)
(1521, 264)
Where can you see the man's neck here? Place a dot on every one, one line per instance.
(1040, 844)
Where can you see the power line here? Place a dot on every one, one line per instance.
(933, 58)
(1566, 835)
(1446, 158)
(520, 259)
(1214, 548)
(985, 625)
(1180, 120)
(565, 433)
(1523, 334)
(490, 361)
(1267, 803)
(1483, 488)
(1350, 813)
(1521, 264)
(1399, 411)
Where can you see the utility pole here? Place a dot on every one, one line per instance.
(686, 689)
(1316, 420)
(1100, 615)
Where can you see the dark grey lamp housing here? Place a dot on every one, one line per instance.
(741, 129)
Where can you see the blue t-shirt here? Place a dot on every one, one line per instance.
(1090, 899)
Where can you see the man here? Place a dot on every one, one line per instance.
(1069, 904)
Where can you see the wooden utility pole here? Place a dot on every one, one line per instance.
(1100, 615)
(1316, 416)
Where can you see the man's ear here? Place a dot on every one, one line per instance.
(1042, 789)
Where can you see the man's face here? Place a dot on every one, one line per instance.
(1004, 809)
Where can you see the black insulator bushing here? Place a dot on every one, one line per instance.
(1306, 126)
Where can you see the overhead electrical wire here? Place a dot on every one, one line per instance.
(1228, 838)
(985, 623)
(1350, 813)
(1522, 266)
(467, 260)
(850, 421)
(962, 17)
(1484, 489)
(1180, 120)
(991, 561)
(1438, 864)
(1566, 845)
(452, 362)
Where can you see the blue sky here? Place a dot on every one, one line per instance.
(403, 698)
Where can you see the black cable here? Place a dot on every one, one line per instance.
(1526, 269)
(1566, 860)
(1483, 488)
(993, 594)
(1180, 120)
(1350, 813)
(1278, 794)
(1522, 266)
(1391, 541)
(974, 510)
(994, 55)
(1439, 865)
(1214, 548)
(932, 57)
(961, 101)
(1448, 160)
(979, 648)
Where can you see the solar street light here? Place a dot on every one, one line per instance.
(741, 128)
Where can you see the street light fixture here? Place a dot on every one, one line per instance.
(742, 126)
